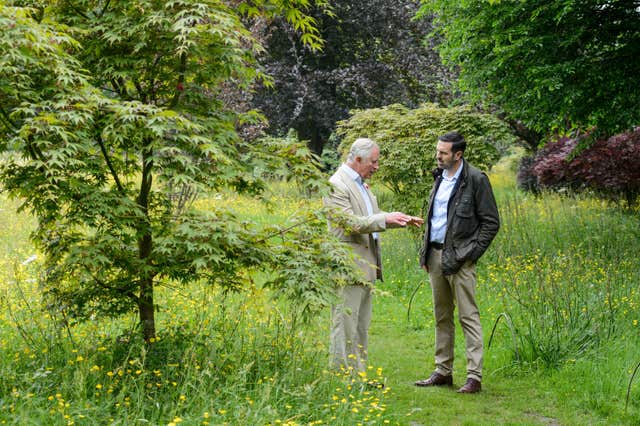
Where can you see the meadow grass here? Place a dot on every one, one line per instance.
(563, 270)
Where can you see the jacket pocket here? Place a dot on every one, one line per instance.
(465, 220)
(465, 207)
(464, 251)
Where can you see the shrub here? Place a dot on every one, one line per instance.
(550, 165)
(608, 167)
(407, 140)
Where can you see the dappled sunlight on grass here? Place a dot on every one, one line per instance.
(282, 202)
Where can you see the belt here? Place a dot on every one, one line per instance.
(435, 245)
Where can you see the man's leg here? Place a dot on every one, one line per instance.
(443, 307)
(469, 316)
(364, 321)
(344, 329)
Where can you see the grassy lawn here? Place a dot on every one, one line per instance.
(576, 385)
(563, 271)
(573, 395)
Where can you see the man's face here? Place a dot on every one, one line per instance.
(445, 157)
(367, 166)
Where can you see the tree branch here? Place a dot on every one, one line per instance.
(152, 79)
(119, 88)
(182, 69)
(146, 180)
(126, 292)
(285, 230)
(35, 153)
(78, 11)
(141, 94)
(104, 9)
(9, 124)
(103, 149)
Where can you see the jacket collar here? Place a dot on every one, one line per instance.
(438, 172)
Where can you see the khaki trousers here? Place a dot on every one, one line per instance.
(350, 328)
(448, 291)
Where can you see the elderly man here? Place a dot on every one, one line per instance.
(462, 221)
(351, 196)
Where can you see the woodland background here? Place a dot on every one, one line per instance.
(165, 257)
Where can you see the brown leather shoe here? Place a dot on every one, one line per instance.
(471, 386)
(436, 379)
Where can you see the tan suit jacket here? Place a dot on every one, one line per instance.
(346, 198)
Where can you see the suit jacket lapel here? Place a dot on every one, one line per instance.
(372, 199)
(360, 206)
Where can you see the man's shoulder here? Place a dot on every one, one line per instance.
(474, 172)
(339, 177)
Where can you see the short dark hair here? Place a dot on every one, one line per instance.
(456, 139)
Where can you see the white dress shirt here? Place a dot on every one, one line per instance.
(440, 206)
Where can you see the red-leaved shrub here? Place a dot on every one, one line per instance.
(610, 167)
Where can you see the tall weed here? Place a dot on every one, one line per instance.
(565, 269)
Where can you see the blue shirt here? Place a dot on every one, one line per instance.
(441, 205)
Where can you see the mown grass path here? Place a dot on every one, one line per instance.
(406, 354)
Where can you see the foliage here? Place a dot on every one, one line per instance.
(240, 358)
(407, 140)
(373, 57)
(243, 344)
(552, 64)
(606, 166)
(114, 111)
(525, 177)
(330, 155)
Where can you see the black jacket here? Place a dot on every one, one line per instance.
(472, 219)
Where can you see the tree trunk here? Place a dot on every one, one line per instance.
(531, 137)
(145, 246)
(309, 131)
(146, 309)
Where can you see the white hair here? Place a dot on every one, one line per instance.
(362, 148)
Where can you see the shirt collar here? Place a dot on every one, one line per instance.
(352, 173)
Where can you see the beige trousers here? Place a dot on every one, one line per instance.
(350, 328)
(448, 291)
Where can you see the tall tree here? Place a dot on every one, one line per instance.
(112, 109)
(374, 55)
(554, 65)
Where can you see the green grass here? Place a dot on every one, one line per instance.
(564, 270)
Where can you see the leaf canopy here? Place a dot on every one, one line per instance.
(114, 115)
(554, 65)
(408, 138)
